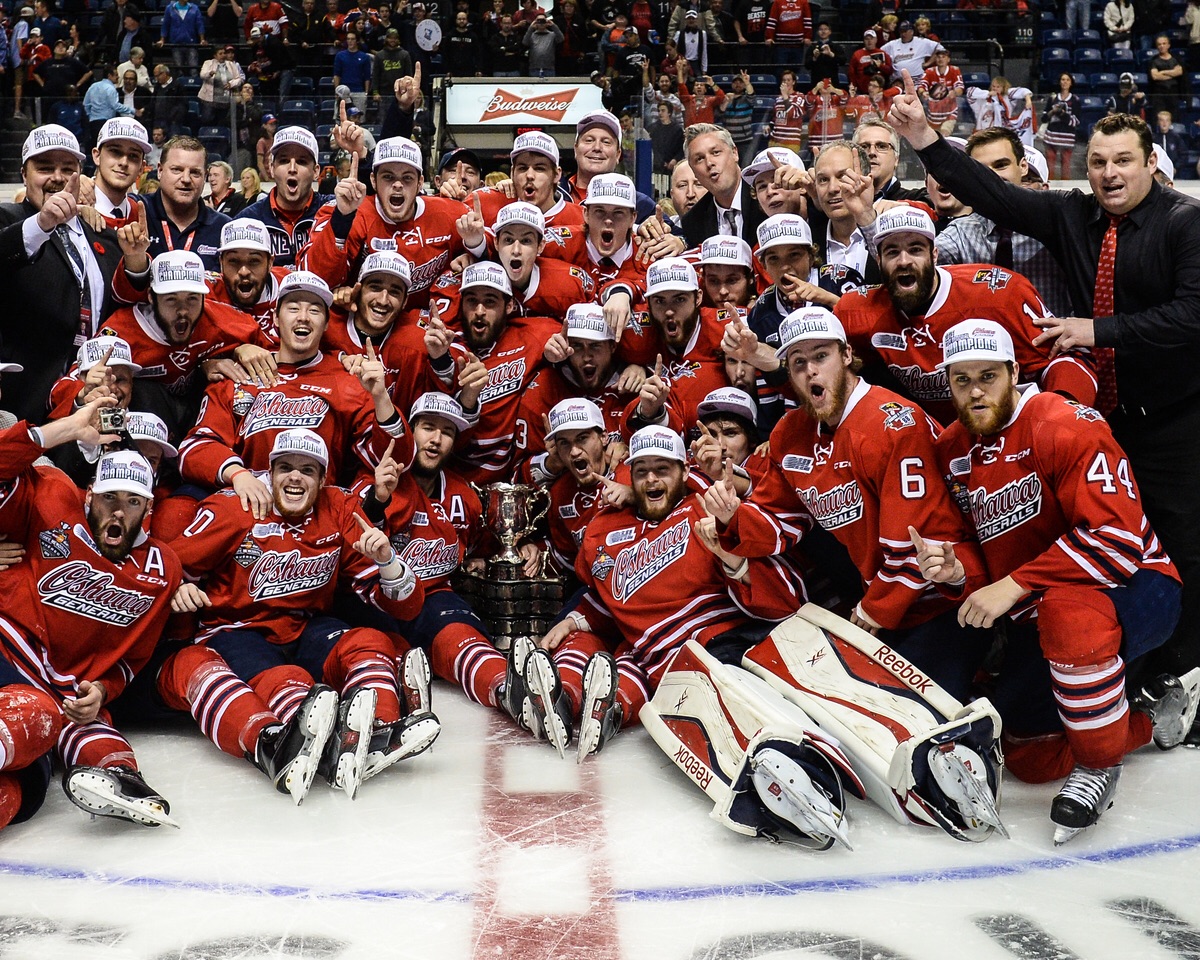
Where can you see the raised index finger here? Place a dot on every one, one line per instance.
(73, 185)
(342, 110)
(917, 540)
(910, 88)
(353, 157)
(658, 368)
(371, 350)
(417, 73)
(366, 527)
(142, 216)
(387, 454)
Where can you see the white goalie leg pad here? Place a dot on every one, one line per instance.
(921, 755)
(758, 757)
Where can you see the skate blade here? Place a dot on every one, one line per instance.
(360, 718)
(599, 683)
(978, 797)
(318, 725)
(784, 786)
(1191, 683)
(97, 796)
(1063, 834)
(414, 739)
(540, 681)
(416, 682)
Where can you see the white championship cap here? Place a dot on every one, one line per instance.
(385, 261)
(435, 404)
(903, 219)
(575, 413)
(486, 274)
(808, 323)
(124, 471)
(123, 128)
(245, 234)
(146, 426)
(91, 352)
(585, 321)
(398, 150)
(655, 441)
(733, 251)
(1165, 164)
(783, 229)
(727, 400)
(177, 271)
(302, 281)
(522, 214)
(535, 141)
(11, 368)
(612, 188)
(301, 441)
(295, 136)
(1037, 163)
(599, 118)
(976, 340)
(48, 137)
(762, 163)
(670, 273)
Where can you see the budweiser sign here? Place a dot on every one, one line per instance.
(507, 103)
(550, 106)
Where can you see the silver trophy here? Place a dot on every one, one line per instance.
(508, 508)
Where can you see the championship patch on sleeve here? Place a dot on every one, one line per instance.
(602, 566)
(896, 416)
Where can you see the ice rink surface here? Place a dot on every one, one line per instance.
(490, 846)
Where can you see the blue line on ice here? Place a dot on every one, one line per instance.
(780, 888)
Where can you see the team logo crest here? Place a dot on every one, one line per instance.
(1084, 412)
(602, 565)
(55, 543)
(247, 553)
(897, 416)
(994, 277)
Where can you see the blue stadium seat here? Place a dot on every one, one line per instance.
(1119, 60)
(213, 132)
(297, 112)
(1089, 38)
(216, 147)
(1088, 58)
(325, 87)
(1048, 19)
(303, 88)
(1141, 79)
(189, 86)
(765, 80)
(1091, 109)
(981, 80)
(724, 80)
(1103, 84)
(1057, 38)
(323, 131)
(327, 108)
(1083, 81)
(325, 158)
(1055, 60)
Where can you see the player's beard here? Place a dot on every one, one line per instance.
(659, 509)
(991, 420)
(912, 301)
(832, 401)
(290, 511)
(116, 552)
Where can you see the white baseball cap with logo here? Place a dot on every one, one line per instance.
(762, 163)
(585, 321)
(47, 138)
(976, 340)
(124, 471)
(783, 229)
(486, 274)
(146, 426)
(535, 141)
(91, 354)
(808, 323)
(728, 400)
(733, 251)
(303, 442)
(521, 214)
(302, 281)
(599, 118)
(123, 128)
(177, 271)
(398, 150)
(575, 413)
(11, 367)
(655, 441)
(670, 273)
(1037, 163)
(295, 136)
(435, 404)
(385, 261)
(1165, 164)
(612, 188)
(245, 234)
(903, 219)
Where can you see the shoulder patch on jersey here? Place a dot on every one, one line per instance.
(55, 543)
(243, 400)
(615, 537)
(1084, 412)
(888, 341)
(247, 553)
(568, 512)
(800, 464)
(994, 277)
(897, 416)
(262, 531)
(420, 519)
(602, 565)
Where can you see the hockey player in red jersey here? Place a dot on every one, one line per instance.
(422, 229)
(82, 613)
(903, 321)
(727, 272)
(1075, 566)
(256, 678)
(860, 460)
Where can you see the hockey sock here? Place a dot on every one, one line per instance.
(633, 689)
(283, 689)
(10, 798)
(1094, 711)
(362, 658)
(477, 666)
(30, 722)
(571, 659)
(95, 744)
(228, 712)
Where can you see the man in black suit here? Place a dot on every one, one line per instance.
(58, 271)
(882, 145)
(840, 213)
(729, 207)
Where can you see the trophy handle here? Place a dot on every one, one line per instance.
(544, 493)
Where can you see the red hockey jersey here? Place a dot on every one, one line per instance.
(622, 271)
(433, 535)
(553, 287)
(263, 312)
(790, 22)
(912, 346)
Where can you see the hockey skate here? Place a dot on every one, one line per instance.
(1170, 702)
(118, 792)
(290, 753)
(513, 697)
(345, 758)
(962, 776)
(415, 678)
(1082, 799)
(549, 707)
(789, 795)
(393, 742)
(601, 716)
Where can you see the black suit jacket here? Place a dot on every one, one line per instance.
(700, 222)
(38, 328)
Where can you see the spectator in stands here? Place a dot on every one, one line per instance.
(888, 29)
(309, 32)
(789, 31)
(183, 29)
(910, 52)
(1118, 23)
(1128, 98)
(881, 144)
(112, 23)
(223, 16)
(662, 91)
(823, 60)
(700, 106)
(69, 113)
(1169, 139)
(251, 185)
(133, 96)
(1191, 20)
(273, 64)
(705, 22)
(543, 40)
(78, 47)
(463, 48)
(869, 61)
(222, 197)
(1166, 77)
(248, 113)
(53, 29)
(629, 67)
(352, 68)
(506, 50)
(827, 114)
(876, 102)
(262, 147)
(692, 42)
(1152, 17)
(724, 24)
(364, 20)
(787, 116)
(53, 76)
(752, 16)
(102, 102)
(666, 138)
(268, 16)
(940, 87)
(1078, 14)
(923, 27)
(572, 24)
(158, 137)
(736, 115)
(1060, 123)
(137, 63)
(220, 78)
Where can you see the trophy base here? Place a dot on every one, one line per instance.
(511, 604)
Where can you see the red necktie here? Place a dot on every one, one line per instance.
(1102, 306)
